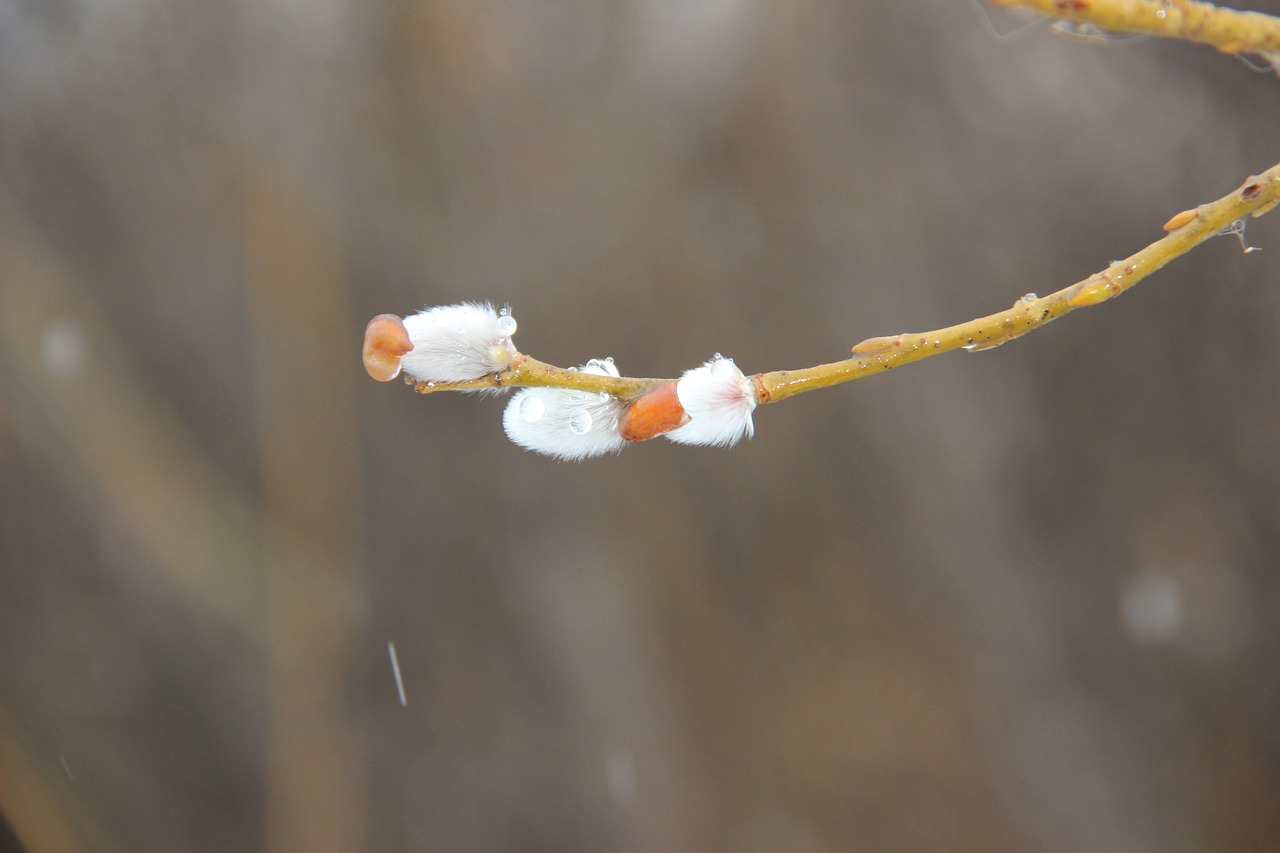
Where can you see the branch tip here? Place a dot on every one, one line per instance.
(385, 341)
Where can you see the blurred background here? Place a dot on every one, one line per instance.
(1023, 599)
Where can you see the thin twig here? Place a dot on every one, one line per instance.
(526, 371)
(1255, 197)
(1229, 30)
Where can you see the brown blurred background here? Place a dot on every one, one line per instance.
(1019, 600)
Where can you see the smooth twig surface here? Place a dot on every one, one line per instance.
(1229, 30)
(1255, 197)
(1188, 229)
(527, 372)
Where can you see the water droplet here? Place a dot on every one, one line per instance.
(64, 346)
(1153, 608)
(979, 346)
(532, 408)
(507, 323)
(723, 368)
(1236, 229)
(580, 422)
(1029, 297)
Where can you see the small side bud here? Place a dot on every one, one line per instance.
(454, 343)
(875, 346)
(1180, 219)
(385, 341)
(719, 400)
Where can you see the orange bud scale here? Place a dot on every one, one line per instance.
(652, 414)
(385, 341)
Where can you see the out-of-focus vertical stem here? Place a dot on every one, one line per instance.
(126, 457)
(317, 598)
(38, 816)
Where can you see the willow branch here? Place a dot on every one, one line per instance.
(1188, 229)
(1229, 30)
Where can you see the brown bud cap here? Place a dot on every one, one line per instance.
(385, 341)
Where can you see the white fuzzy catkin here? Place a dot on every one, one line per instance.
(719, 400)
(563, 423)
(453, 343)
